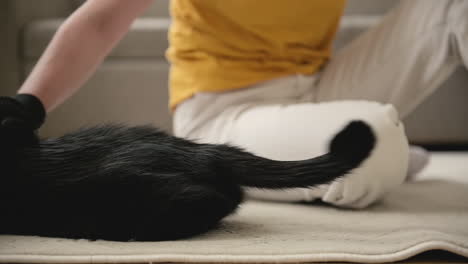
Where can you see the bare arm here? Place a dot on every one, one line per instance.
(78, 48)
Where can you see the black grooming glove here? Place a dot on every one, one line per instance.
(20, 117)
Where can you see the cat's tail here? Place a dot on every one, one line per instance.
(347, 150)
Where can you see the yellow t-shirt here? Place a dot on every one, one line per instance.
(219, 45)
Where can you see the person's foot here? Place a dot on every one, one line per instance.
(418, 160)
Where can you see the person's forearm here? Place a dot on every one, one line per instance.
(77, 49)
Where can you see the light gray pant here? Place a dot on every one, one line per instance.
(399, 62)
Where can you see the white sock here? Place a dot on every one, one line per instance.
(418, 159)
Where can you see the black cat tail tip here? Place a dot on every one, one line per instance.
(354, 143)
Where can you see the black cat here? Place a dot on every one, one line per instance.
(123, 183)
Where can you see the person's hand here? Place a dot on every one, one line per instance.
(20, 117)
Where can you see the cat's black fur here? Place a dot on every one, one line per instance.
(123, 183)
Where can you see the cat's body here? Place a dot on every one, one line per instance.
(137, 183)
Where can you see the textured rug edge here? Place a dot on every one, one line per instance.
(294, 258)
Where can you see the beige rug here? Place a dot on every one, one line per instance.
(428, 214)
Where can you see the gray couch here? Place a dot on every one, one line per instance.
(131, 85)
